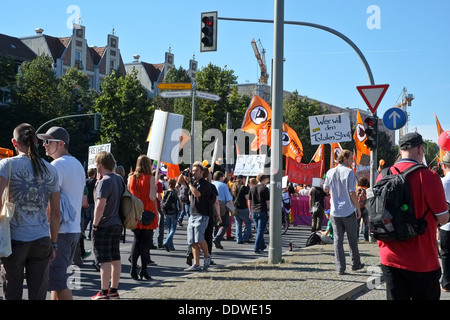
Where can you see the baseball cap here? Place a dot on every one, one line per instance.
(410, 140)
(446, 159)
(55, 133)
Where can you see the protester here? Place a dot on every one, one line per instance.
(317, 204)
(243, 223)
(411, 268)
(170, 214)
(340, 182)
(224, 197)
(71, 182)
(183, 191)
(259, 203)
(361, 194)
(143, 185)
(33, 186)
(200, 215)
(444, 230)
(107, 225)
(89, 212)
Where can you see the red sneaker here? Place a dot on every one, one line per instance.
(100, 296)
(113, 295)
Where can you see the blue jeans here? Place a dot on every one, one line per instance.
(260, 220)
(171, 225)
(186, 210)
(243, 217)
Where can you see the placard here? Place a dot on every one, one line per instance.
(250, 165)
(93, 150)
(330, 128)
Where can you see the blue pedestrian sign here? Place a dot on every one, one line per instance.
(394, 118)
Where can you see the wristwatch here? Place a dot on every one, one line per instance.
(54, 245)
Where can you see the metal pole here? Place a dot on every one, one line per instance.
(192, 123)
(65, 117)
(277, 130)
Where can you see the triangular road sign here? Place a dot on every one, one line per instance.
(373, 95)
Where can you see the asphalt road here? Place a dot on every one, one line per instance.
(85, 280)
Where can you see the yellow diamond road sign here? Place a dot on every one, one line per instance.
(175, 86)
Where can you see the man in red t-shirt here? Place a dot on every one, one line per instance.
(411, 268)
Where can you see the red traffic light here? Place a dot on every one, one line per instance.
(207, 21)
(371, 121)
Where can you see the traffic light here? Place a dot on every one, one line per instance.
(97, 121)
(371, 132)
(208, 41)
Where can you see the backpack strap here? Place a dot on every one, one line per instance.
(387, 171)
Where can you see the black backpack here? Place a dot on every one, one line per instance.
(390, 207)
(169, 203)
(313, 239)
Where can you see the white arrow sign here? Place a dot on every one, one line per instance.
(176, 94)
(394, 115)
(208, 96)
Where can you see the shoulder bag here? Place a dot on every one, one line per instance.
(5, 217)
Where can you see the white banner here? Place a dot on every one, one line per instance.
(164, 144)
(250, 165)
(330, 128)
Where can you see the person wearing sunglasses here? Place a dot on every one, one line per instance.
(71, 183)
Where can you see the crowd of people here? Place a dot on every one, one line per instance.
(57, 203)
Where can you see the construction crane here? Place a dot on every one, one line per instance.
(406, 102)
(261, 60)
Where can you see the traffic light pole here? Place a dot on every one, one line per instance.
(65, 117)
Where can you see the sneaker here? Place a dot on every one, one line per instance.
(113, 295)
(100, 296)
(217, 244)
(194, 268)
(206, 263)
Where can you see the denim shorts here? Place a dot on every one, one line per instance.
(196, 228)
(67, 244)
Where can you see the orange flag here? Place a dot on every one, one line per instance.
(319, 156)
(292, 146)
(335, 151)
(360, 137)
(258, 121)
(439, 130)
(173, 170)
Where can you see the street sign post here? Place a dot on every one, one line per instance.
(208, 96)
(394, 118)
(175, 86)
(373, 95)
(176, 94)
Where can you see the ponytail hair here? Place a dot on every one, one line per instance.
(25, 135)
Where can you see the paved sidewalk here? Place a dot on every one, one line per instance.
(304, 274)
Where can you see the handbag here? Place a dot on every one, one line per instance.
(5, 218)
(147, 217)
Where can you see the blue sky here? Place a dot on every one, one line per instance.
(409, 49)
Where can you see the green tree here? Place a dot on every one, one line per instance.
(213, 79)
(37, 89)
(127, 114)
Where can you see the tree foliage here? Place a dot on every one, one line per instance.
(127, 114)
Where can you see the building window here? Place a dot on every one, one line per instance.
(112, 65)
(78, 62)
